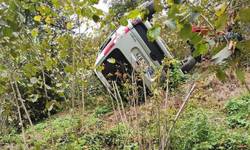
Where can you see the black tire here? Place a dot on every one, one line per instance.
(188, 64)
(150, 7)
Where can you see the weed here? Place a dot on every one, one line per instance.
(238, 112)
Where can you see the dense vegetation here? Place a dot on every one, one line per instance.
(47, 52)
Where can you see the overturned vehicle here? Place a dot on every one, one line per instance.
(128, 52)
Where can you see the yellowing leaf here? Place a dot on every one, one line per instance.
(58, 104)
(220, 10)
(48, 20)
(169, 2)
(43, 7)
(111, 60)
(49, 106)
(37, 18)
(68, 25)
(34, 32)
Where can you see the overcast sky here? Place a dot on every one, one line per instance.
(102, 6)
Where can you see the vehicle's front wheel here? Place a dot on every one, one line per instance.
(151, 9)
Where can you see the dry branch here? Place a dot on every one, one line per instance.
(178, 114)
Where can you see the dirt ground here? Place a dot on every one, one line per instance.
(210, 90)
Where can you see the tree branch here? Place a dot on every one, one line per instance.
(178, 114)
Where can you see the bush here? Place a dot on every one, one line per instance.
(238, 112)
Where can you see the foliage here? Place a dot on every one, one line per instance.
(121, 7)
(238, 112)
(202, 133)
(46, 58)
(176, 76)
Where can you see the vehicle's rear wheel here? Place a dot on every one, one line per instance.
(188, 64)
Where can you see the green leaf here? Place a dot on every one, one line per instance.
(60, 93)
(133, 14)
(185, 31)
(37, 18)
(195, 38)
(99, 68)
(7, 32)
(49, 106)
(58, 104)
(240, 45)
(12, 5)
(7, 112)
(84, 83)
(246, 45)
(95, 18)
(194, 16)
(34, 32)
(80, 65)
(200, 48)
(48, 64)
(178, 1)
(126, 84)
(220, 24)
(63, 54)
(15, 54)
(244, 14)
(172, 11)
(223, 54)
(34, 80)
(221, 75)
(68, 68)
(1, 89)
(108, 18)
(123, 21)
(157, 6)
(94, 2)
(197, 8)
(171, 24)
(2, 67)
(87, 62)
(241, 75)
(21, 17)
(154, 32)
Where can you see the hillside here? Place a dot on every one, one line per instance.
(215, 117)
